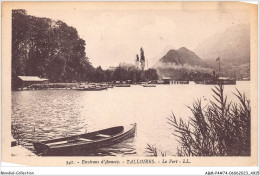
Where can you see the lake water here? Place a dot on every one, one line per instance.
(60, 113)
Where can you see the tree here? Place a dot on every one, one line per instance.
(47, 48)
(100, 75)
(133, 73)
(142, 59)
(120, 74)
(137, 61)
(151, 74)
(109, 75)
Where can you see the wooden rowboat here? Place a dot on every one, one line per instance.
(85, 142)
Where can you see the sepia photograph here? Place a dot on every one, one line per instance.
(129, 83)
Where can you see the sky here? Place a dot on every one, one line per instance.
(115, 36)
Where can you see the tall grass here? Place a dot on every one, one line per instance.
(219, 129)
(152, 151)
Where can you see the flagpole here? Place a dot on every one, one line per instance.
(219, 65)
(218, 59)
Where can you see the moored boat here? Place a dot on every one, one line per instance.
(107, 85)
(226, 81)
(123, 85)
(181, 82)
(149, 85)
(199, 82)
(220, 80)
(110, 86)
(92, 89)
(85, 142)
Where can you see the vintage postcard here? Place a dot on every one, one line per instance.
(129, 83)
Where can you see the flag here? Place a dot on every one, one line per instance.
(217, 59)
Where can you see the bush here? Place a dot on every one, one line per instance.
(16, 132)
(219, 129)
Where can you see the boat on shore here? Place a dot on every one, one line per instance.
(85, 142)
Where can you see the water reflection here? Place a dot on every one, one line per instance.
(126, 147)
(50, 114)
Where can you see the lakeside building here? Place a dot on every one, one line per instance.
(166, 80)
(24, 81)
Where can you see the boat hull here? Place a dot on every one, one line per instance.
(123, 85)
(216, 82)
(43, 149)
(92, 89)
(149, 85)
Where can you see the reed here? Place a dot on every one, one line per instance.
(218, 129)
(152, 151)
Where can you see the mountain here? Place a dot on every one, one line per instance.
(182, 56)
(231, 44)
(233, 48)
(182, 64)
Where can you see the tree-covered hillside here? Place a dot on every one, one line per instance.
(182, 56)
(182, 64)
(47, 48)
